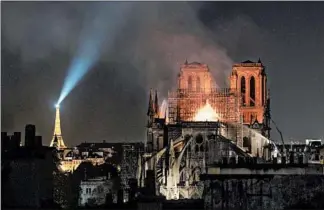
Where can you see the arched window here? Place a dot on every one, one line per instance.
(196, 148)
(199, 139)
(201, 148)
(246, 142)
(263, 96)
(252, 91)
(212, 85)
(243, 90)
(190, 83)
(198, 84)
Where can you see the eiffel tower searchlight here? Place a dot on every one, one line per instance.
(57, 140)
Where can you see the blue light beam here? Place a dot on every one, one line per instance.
(98, 31)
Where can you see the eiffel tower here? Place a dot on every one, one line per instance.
(57, 140)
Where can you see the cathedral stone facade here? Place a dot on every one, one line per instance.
(204, 124)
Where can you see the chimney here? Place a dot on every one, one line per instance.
(15, 140)
(4, 140)
(30, 132)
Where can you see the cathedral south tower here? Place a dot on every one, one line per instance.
(250, 79)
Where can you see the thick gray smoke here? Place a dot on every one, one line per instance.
(111, 100)
(166, 34)
(157, 39)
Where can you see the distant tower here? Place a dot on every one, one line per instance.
(150, 111)
(194, 79)
(251, 80)
(57, 140)
(154, 140)
(150, 121)
(156, 106)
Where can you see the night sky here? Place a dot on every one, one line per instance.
(143, 49)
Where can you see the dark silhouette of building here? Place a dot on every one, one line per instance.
(38, 141)
(5, 140)
(30, 133)
(9, 142)
(28, 180)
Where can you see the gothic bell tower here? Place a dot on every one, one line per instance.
(155, 125)
(250, 79)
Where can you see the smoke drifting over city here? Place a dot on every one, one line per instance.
(40, 39)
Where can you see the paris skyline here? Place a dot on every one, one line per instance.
(38, 44)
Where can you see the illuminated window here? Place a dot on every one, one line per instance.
(243, 90)
(198, 84)
(252, 91)
(190, 83)
(263, 89)
(212, 84)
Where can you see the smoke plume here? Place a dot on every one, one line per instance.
(167, 34)
(110, 103)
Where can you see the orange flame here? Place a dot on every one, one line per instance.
(163, 108)
(206, 113)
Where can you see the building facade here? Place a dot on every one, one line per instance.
(30, 181)
(250, 79)
(204, 124)
(97, 153)
(94, 192)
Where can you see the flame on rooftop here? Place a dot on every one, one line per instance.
(206, 113)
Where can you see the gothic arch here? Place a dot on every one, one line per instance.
(199, 139)
(198, 84)
(190, 83)
(195, 173)
(246, 141)
(212, 84)
(252, 91)
(262, 90)
(243, 89)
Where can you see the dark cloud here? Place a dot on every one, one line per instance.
(39, 40)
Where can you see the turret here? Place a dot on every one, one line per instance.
(267, 117)
(150, 105)
(150, 110)
(156, 106)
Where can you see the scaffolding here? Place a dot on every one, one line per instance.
(184, 104)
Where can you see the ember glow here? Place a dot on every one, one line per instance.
(207, 113)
